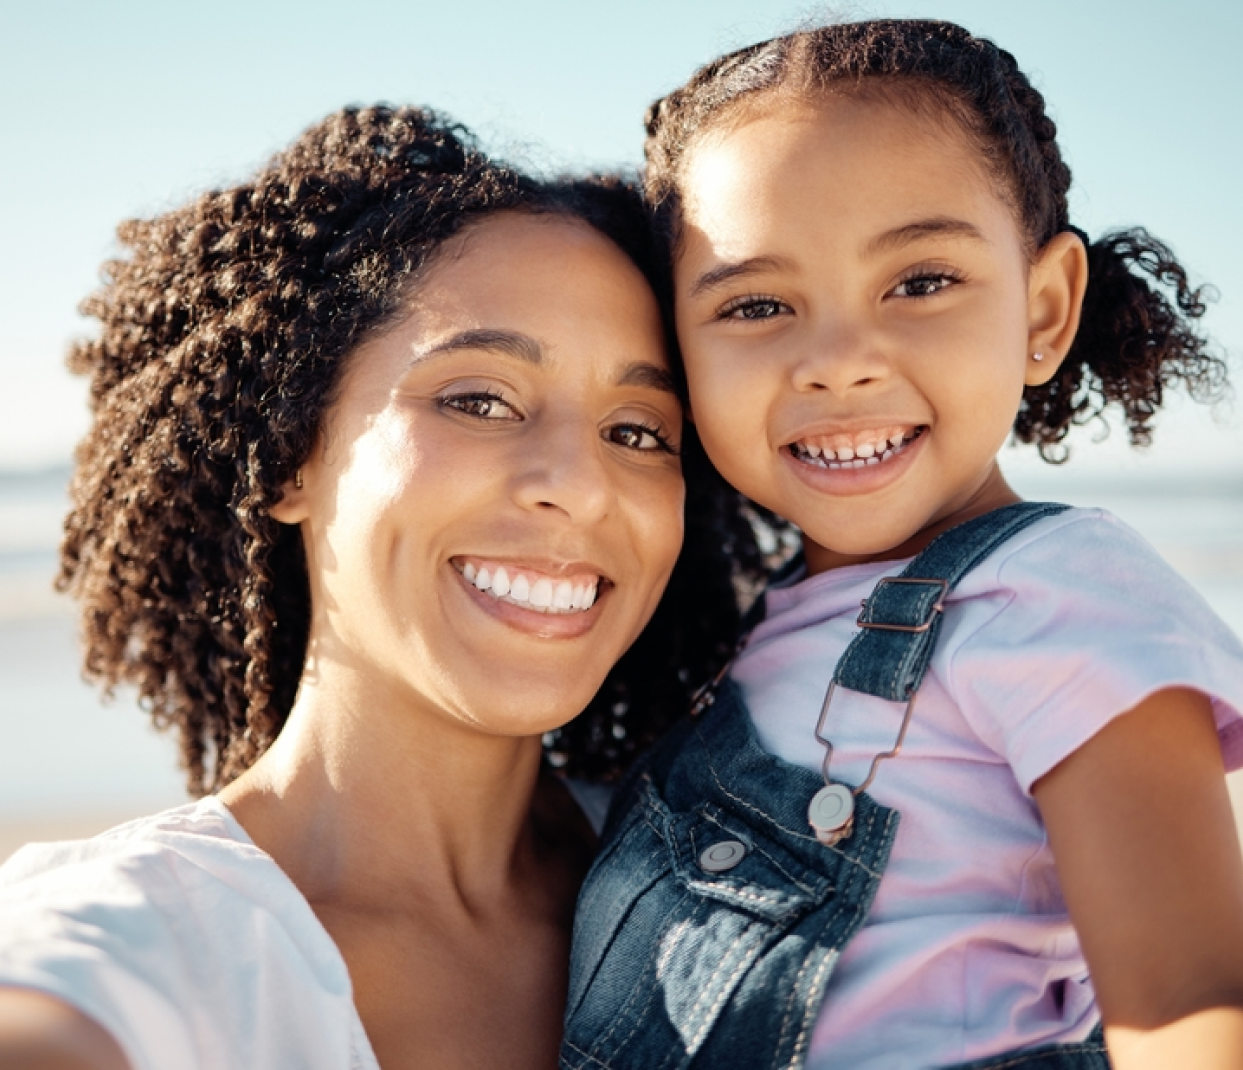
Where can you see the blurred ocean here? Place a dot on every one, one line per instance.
(73, 765)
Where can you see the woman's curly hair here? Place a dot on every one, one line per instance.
(1138, 334)
(225, 331)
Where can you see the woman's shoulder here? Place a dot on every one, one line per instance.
(168, 926)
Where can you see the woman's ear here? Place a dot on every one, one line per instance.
(1056, 285)
(292, 508)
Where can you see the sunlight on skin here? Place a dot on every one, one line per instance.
(38, 1032)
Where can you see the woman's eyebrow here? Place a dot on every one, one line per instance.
(936, 227)
(641, 373)
(510, 343)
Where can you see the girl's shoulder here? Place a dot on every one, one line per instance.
(1087, 562)
(1072, 623)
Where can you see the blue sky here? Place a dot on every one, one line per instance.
(114, 109)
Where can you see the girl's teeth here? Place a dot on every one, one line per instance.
(589, 597)
(483, 580)
(520, 588)
(866, 453)
(468, 570)
(500, 583)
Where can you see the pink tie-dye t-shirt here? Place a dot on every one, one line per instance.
(968, 950)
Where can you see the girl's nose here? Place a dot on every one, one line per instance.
(837, 360)
(561, 466)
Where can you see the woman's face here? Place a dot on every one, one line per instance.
(496, 501)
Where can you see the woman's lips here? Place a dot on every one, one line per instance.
(520, 585)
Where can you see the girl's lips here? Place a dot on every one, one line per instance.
(858, 475)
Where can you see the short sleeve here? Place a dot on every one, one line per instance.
(1091, 622)
(105, 955)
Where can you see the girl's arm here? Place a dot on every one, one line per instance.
(1142, 830)
(39, 1032)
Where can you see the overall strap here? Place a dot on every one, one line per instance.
(902, 618)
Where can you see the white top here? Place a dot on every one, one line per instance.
(968, 950)
(185, 942)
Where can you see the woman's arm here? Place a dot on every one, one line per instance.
(39, 1032)
(1142, 830)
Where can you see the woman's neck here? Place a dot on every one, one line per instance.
(365, 797)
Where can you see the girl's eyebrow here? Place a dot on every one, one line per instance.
(936, 227)
(510, 343)
(727, 272)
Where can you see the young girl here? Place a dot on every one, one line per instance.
(876, 282)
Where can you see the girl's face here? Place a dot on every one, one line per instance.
(496, 502)
(857, 313)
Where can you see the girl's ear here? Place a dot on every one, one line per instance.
(1056, 286)
(292, 508)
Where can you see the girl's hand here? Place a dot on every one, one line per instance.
(39, 1032)
(1144, 837)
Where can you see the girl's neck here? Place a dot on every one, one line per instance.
(993, 493)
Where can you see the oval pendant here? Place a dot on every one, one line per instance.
(831, 813)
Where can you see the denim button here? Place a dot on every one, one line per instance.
(722, 856)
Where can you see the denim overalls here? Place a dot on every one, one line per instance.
(712, 919)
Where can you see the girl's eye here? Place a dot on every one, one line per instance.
(925, 284)
(752, 308)
(640, 437)
(483, 404)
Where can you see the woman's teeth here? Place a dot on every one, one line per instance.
(859, 455)
(540, 593)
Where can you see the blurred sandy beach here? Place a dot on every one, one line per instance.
(72, 765)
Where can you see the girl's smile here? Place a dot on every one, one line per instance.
(857, 310)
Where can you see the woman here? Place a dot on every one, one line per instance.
(384, 478)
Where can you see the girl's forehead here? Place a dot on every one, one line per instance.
(866, 144)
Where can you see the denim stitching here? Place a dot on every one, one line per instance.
(800, 1045)
(625, 1010)
(586, 1055)
(789, 1011)
(758, 848)
(722, 995)
(1068, 1049)
(776, 824)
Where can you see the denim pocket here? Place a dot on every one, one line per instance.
(663, 941)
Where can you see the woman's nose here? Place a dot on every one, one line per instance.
(561, 466)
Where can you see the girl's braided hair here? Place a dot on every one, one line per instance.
(224, 335)
(1137, 336)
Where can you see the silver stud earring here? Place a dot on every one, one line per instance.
(1037, 356)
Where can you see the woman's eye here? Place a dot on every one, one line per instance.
(639, 437)
(752, 308)
(483, 405)
(924, 285)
